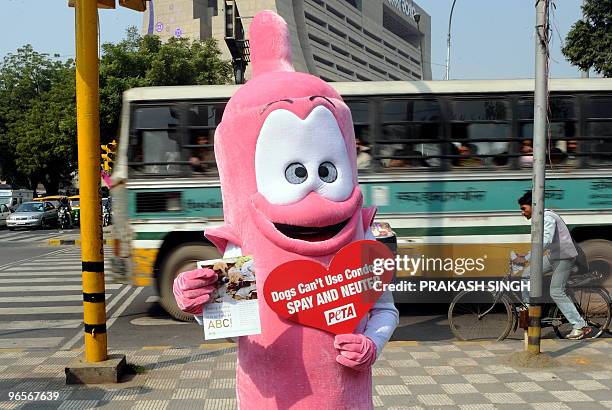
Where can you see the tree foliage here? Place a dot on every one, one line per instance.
(588, 45)
(38, 102)
(147, 61)
(37, 119)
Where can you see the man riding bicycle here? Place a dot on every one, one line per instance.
(560, 261)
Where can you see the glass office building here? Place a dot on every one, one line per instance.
(338, 40)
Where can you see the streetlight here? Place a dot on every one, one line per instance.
(448, 42)
(417, 19)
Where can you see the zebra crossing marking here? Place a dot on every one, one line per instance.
(54, 279)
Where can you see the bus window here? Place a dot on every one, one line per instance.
(562, 127)
(155, 142)
(202, 121)
(480, 132)
(599, 129)
(361, 122)
(410, 134)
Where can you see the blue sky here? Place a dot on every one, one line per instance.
(490, 38)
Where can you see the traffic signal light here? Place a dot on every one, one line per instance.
(108, 156)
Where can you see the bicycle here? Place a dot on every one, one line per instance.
(493, 315)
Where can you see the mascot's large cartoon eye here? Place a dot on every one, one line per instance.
(328, 172)
(296, 156)
(296, 173)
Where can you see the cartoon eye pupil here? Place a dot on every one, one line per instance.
(323, 172)
(328, 172)
(296, 173)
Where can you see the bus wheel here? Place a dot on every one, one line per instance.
(599, 254)
(180, 259)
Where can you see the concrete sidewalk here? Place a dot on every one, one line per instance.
(407, 375)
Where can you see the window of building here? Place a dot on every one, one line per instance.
(354, 3)
(337, 32)
(318, 40)
(344, 70)
(389, 46)
(403, 54)
(359, 60)
(372, 36)
(322, 60)
(335, 12)
(355, 42)
(315, 20)
(374, 53)
(340, 51)
(390, 61)
(354, 24)
(377, 69)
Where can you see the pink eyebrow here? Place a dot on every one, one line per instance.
(274, 102)
(312, 97)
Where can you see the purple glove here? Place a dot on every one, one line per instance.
(193, 288)
(356, 351)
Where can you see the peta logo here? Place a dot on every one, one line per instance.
(340, 314)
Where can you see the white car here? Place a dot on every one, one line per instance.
(4, 214)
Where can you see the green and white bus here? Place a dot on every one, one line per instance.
(444, 162)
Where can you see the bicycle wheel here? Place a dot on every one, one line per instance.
(593, 304)
(480, 315)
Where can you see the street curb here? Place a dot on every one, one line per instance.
(76, 242)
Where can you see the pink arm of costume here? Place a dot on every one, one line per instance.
(192, 289)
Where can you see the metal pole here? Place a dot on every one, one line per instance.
(540, 110)
(448, 42)
(88, 138)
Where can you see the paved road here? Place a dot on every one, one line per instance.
(21, 236)
(41, 300)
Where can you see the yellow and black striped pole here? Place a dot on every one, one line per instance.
(534, 331)
(88, 129)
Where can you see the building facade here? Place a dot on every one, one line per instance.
(337, 40)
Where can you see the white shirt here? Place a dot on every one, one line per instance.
(557, 238)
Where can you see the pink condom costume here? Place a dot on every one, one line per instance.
(285, 150)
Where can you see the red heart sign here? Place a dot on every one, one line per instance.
(333, 299)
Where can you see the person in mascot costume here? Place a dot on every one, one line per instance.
(285, 150)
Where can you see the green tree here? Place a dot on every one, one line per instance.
(146, 61)
(36, 103)
(50, 127)
(589, 43)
